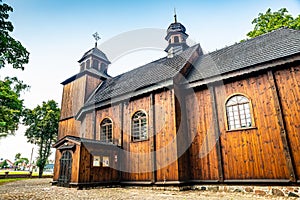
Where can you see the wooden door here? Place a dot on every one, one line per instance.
(65, 169)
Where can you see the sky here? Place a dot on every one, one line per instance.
(58, 32)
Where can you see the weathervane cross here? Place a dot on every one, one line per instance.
(97, 37)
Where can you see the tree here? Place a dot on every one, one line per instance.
(17, 156)
(4, 164)
(11, 51)
(11, 105)
(42, 130)
(270, 21)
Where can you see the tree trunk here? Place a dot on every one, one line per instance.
(41, 169)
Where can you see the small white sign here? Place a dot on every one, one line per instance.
(105, 161)
(96, 161)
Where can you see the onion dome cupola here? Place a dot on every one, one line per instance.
(95, 60)
(176, 37)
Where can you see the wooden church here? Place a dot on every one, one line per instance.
(232, 115)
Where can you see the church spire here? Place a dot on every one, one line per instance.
(176, 37)
(95, 60)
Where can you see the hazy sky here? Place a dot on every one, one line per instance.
(58, 32)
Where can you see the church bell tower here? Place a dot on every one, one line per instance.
(176, 38)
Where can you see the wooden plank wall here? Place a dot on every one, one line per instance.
(252, 153)
(113, 113)
(72, 100)
(166, 141)
(86, 127)
(137, 154)
(69, 127)
(56, 168)
(90, 174)
(203, 155)
(288, 83)
(91, 85)
(270, 150)
(73, 97)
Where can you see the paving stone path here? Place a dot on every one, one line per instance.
(37, 189)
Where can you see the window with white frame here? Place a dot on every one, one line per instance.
(238, 112)
(106, 131)
(139, 126)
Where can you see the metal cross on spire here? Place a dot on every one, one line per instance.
(97, 37)
(175, 16)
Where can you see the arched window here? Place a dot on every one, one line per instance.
(238, 112)
(176, 39)
(139, 126)
(106, 131)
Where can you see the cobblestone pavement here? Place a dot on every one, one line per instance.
(37, 189)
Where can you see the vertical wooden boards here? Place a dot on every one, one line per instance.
(217, 132)
(76, 154)
(166, 143)
(73, 97)
(56, 165)
(255, 153)
(113, 113)
(288, 86)
(91, 85)
(87, 126)
(203, 154)
(68, 127)
(152, 135)
(137, 159)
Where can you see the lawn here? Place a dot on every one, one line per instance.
(2, 172)
(7, 180)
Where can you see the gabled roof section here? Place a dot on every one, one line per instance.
(271, 46)
(145, 76)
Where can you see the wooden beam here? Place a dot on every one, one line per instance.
(94, 124)
(217, 132)
(153, 139)
(281, 122)
(120, 158)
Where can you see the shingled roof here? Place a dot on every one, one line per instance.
(271, 46)
(142, 77)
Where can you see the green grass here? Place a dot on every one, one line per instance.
(2, 172)
(8, 180)
(19, 172)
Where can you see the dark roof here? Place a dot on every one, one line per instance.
(90, 71)
(274, 45)
(142, 77)
(95, 52)
(80, 140)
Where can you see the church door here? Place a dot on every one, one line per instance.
(65, 169)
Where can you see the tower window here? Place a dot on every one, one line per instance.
(176, 39)
(139, 126)
(106, 131)
(95, 64)
(103, 67)
(82, 66)
(88, 64)
(238, 112)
